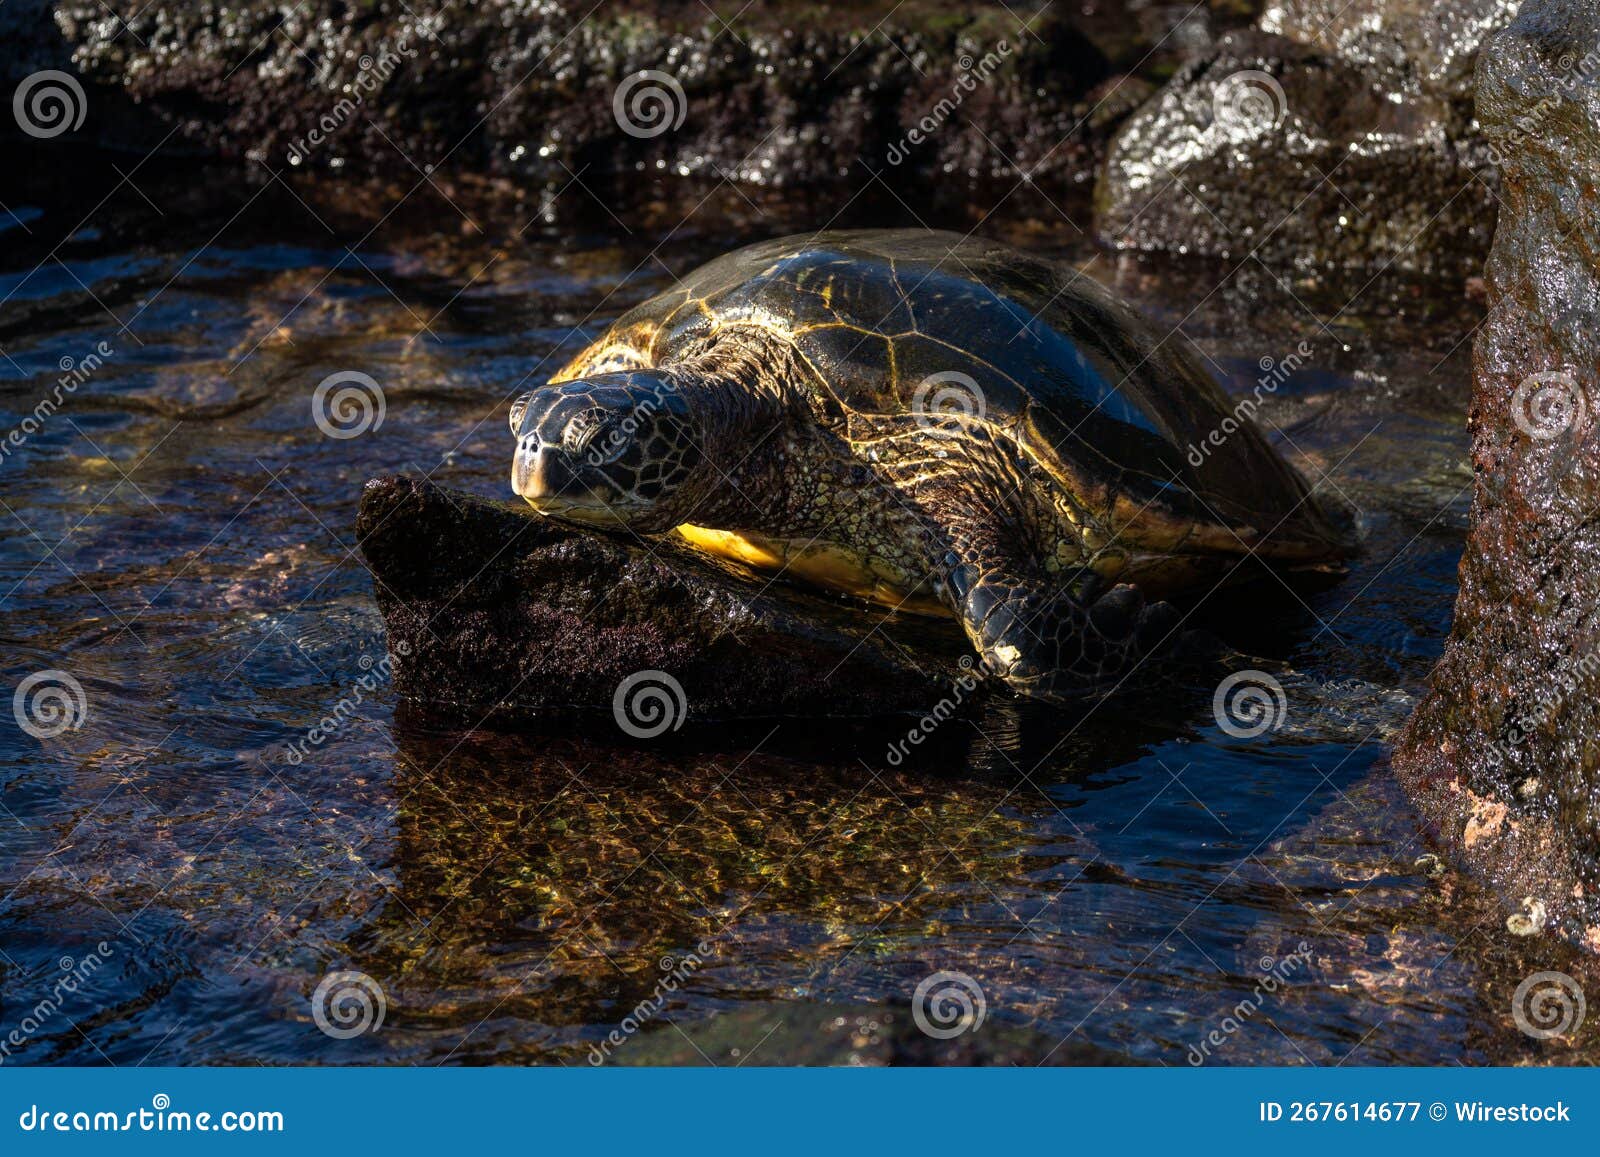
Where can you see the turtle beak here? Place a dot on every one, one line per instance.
(544, 478)
(537, 472)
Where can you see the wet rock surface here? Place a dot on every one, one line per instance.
(777, 93)
(493, 612)
(1328, 135)
(1502, 756)
(1350, 141)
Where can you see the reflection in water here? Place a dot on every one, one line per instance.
(178, 538)
(553, 881)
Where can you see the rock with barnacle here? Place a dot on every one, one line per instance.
(1502, 756)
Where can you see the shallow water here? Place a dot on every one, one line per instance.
(178, 539)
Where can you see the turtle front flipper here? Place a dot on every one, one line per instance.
(1054, 641)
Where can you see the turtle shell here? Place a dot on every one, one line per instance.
(1098, 399)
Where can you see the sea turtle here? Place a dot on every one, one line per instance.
(936, 423)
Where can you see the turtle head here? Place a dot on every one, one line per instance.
(617, 449)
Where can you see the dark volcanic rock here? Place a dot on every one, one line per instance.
(1439, 42)
(786, 93)
(1332, 135)
(30, 42)
(493, 610)
(1503, 756)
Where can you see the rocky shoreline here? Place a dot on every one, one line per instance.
(1264, 133)
(1330, 135)
(789, 94)
(1502, 757)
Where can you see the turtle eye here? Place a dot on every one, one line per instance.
(581, 431)
(518, 409)
(600, 437)
(607, 444)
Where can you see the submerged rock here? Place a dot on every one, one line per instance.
(807, 1032)
(1331, 135)
(1503, 755)
(493, 611)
